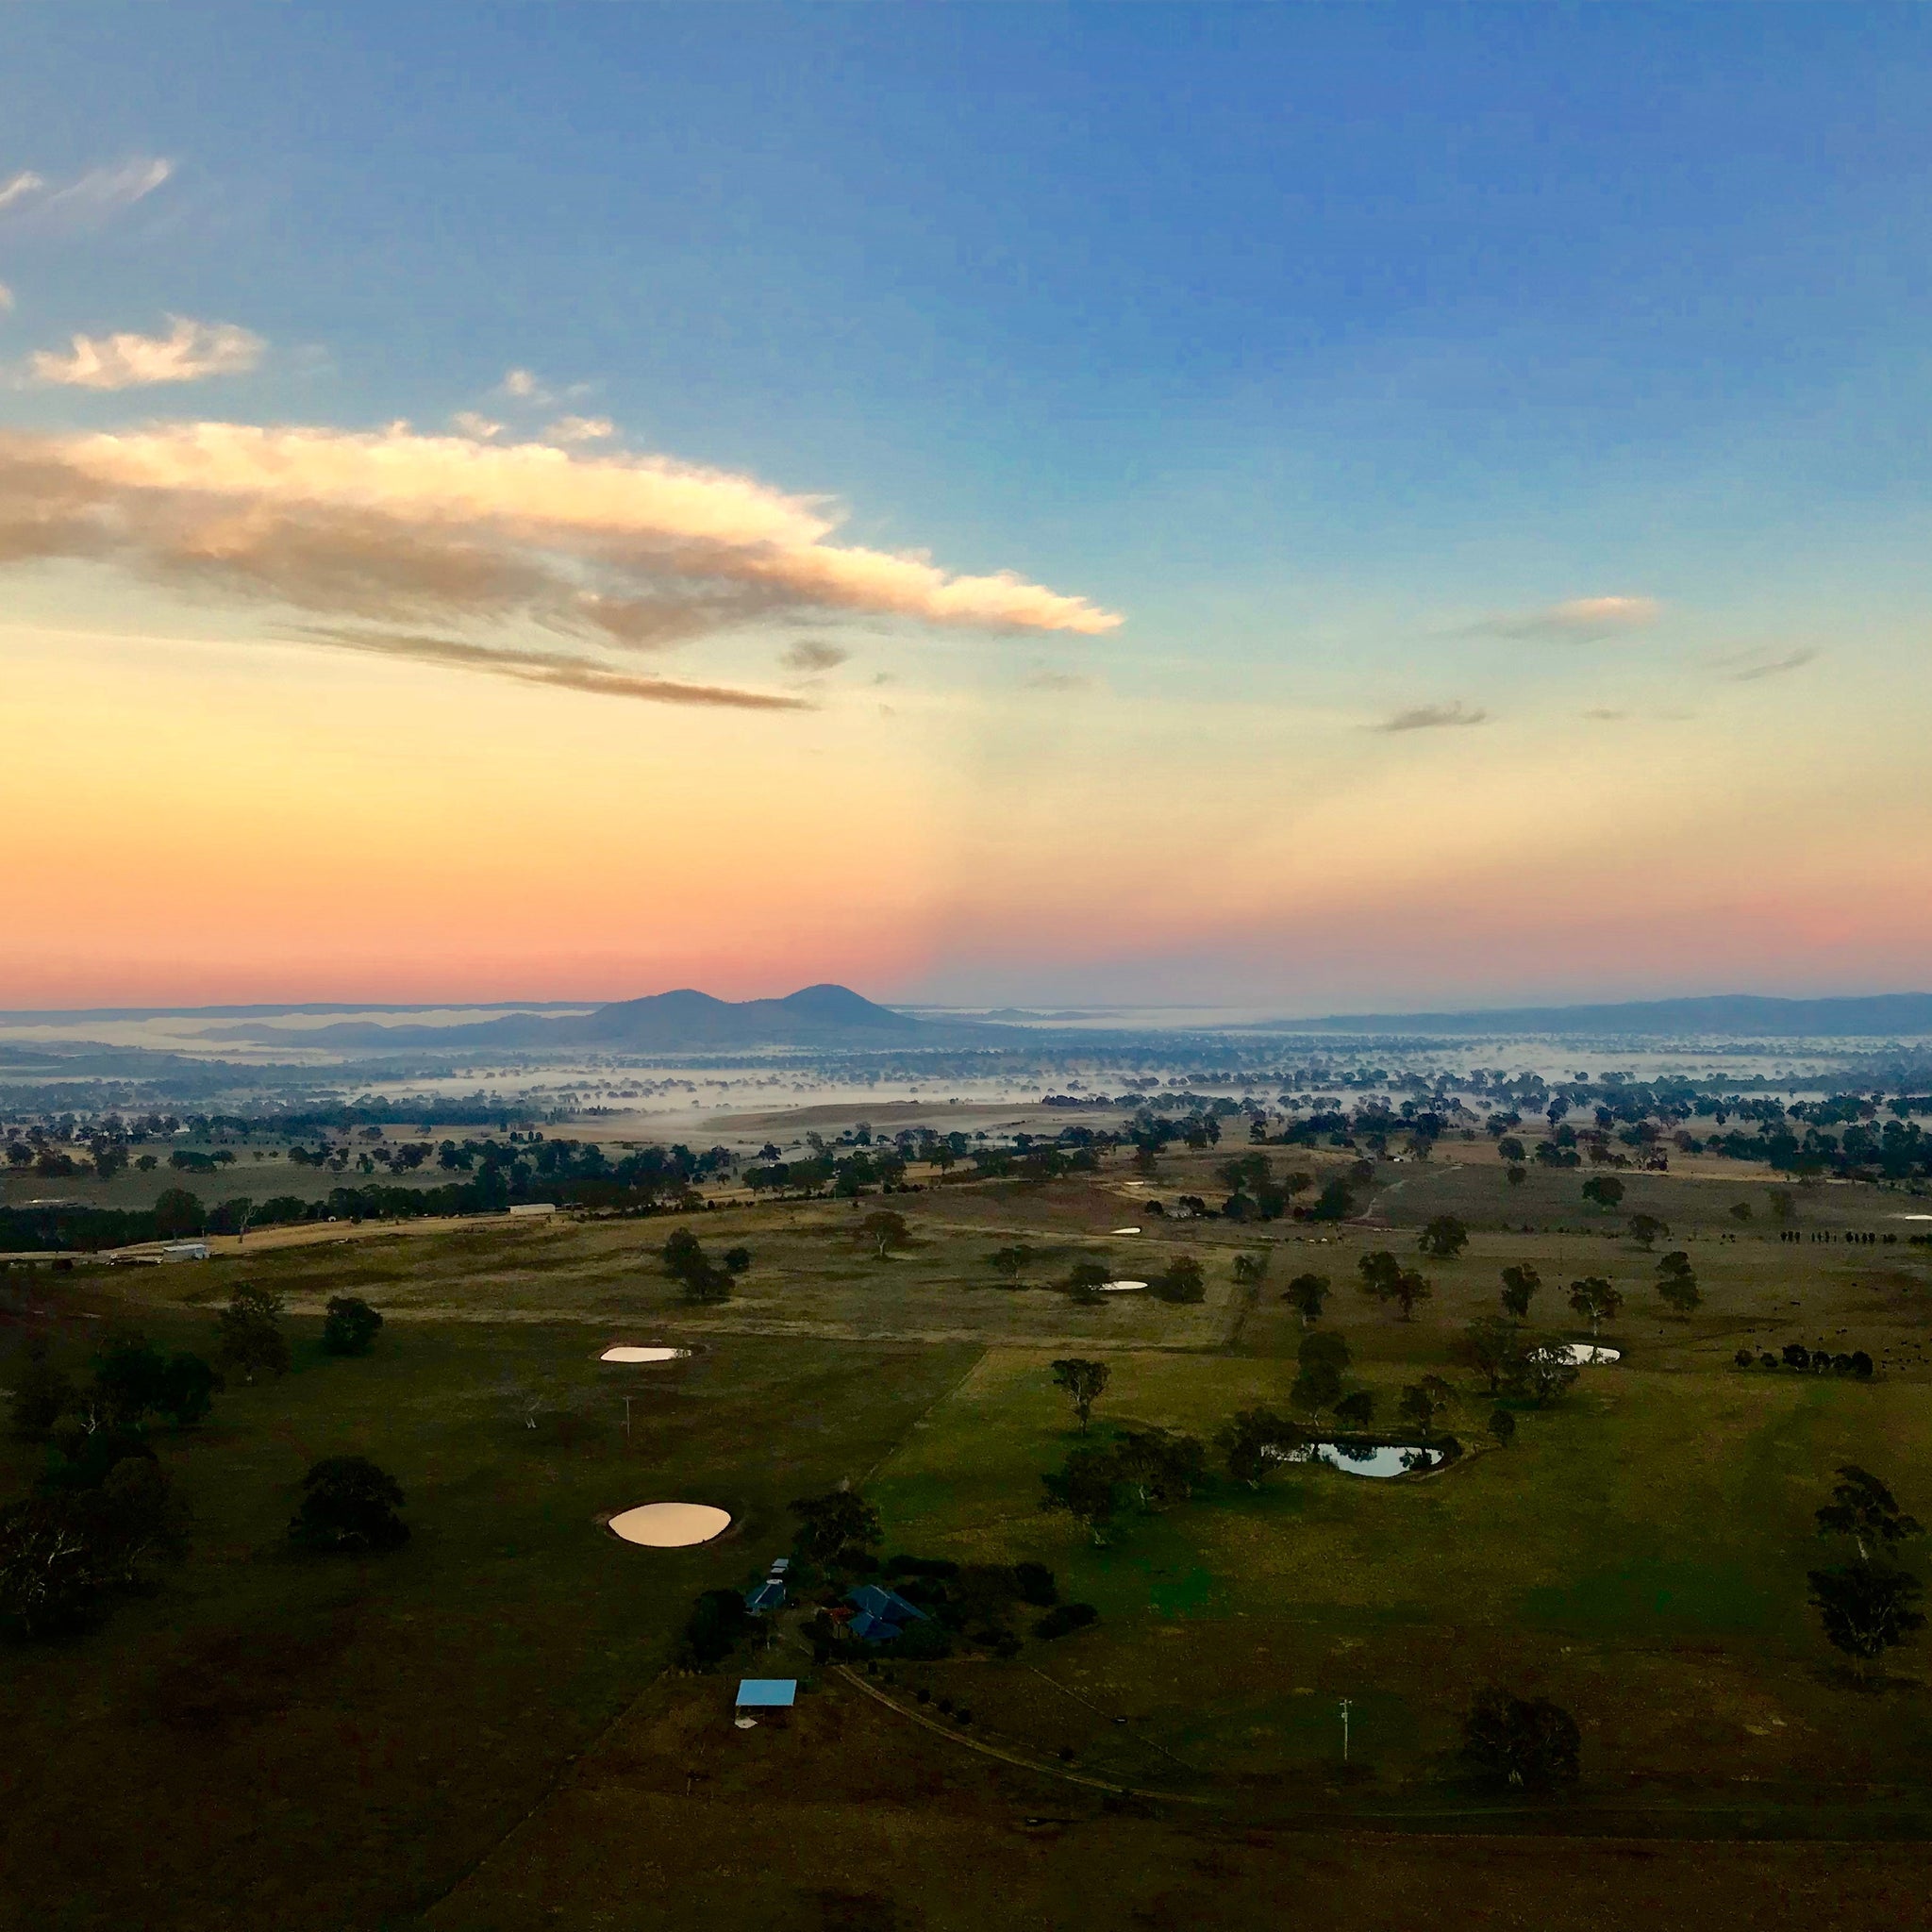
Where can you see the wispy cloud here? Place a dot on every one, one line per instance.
(1603, 715)
(28, 201)
(811, 655)
(1748, 668)
(6, 299)
(581, 430)
(1431, 717)
(1577, 620)
(481, 427)
(547, 668)
(1056, 680)
(187, 353)
(412, 533)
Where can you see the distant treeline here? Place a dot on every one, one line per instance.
(562, 1172)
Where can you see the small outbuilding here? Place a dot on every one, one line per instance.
(769, 1595)
(766, 1700)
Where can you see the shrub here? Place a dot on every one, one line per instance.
(1064, 1619)
(718, 1622)
(43, 1393)
(924, 1641)
(1033, 1583)
(1522, 1743)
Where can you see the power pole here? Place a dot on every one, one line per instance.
(1347, 1707)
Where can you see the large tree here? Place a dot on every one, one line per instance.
(1087, 1487)
(885, 1230)
(1864, 1510)
(1605, 1190)
(1010, 1263)
(1254, 1442)
(349, 1505)
(1678, 1284)
(1321, 1364)
(251, 1331)
(1084, 1383)
(829, 1526)
(1519, 1284)
(1491, 1345)
(1443, 1238)
(1306, 1294)
(1596, 1300)
(1866, 1608)
(350, 1327)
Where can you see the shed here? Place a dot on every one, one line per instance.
(186, 1251)
(769, 1595)
(766, 1697)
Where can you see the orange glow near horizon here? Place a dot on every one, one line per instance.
(205, 823)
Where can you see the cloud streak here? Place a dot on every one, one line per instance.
(545, 668)
(1750, 670)
(28, 203)
(1577, 621)
(190, 352)
(1431, 717)
(413, 534)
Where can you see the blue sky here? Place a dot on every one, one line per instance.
(1326, 345)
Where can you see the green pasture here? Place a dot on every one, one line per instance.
(479, 1728)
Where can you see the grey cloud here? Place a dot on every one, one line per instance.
(539, 667)
(1748, 670)
(810, 655)
(1431, 717)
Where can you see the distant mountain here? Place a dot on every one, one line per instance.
(686, 1021)
(1889, 1015)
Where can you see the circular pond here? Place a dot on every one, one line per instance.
(625, 1351)
(671, 1526)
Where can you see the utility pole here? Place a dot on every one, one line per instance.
(1347, 1707)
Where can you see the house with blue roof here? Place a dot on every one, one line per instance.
(881, 1613)
(769, 1595)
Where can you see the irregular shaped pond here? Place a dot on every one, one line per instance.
(1367, 1459)
(1121, 1287)
(1584, 1354)
(624, 1351)
(1135, 1230)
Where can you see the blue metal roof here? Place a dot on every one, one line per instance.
(767, 1693)
(888, 1604)
(769, 1595)
(873, 1629)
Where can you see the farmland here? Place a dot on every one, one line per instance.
(481, 1730)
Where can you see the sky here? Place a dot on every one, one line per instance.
(1335, 508)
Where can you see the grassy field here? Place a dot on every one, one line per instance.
(478, 1731)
